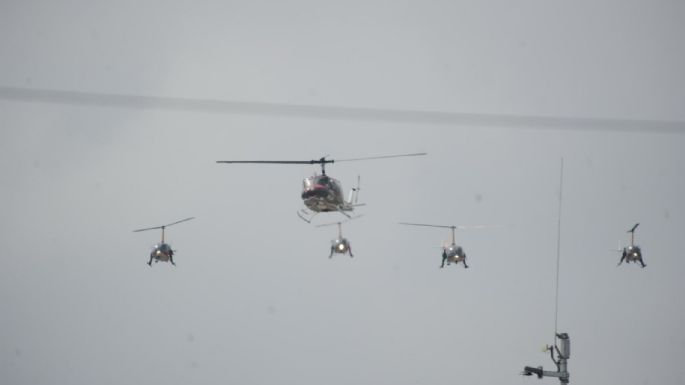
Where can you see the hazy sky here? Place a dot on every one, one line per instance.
(254, 298)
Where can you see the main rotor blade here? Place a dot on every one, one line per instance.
(148, 228)
(382, 157)
(278, 161)
(162, 227)
(427, 225)
(322, 160)
(634, 227)
(182, 220)
(463, 227)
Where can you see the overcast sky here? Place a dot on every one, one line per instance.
(254, 298)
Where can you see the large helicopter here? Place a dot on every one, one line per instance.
(339, 245)
(451, 252)
(162, 251)
(322, 193)
(632, 253)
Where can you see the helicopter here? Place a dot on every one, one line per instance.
(451, 252)
(339, 245)
(322, 193)
(632, 253)
(162, 251)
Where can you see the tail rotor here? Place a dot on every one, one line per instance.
(356, 190)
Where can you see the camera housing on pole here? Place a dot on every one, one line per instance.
(563, 353)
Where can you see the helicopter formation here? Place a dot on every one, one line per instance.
(322, 193)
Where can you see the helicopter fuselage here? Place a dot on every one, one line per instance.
(340, 245)
(161, 252)
(632, 253)
(454, 254)
(321, 193)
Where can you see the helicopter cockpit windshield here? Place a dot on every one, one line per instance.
(164, 248)
(318, 185)
(322, 180)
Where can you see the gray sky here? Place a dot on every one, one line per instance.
(254, 298)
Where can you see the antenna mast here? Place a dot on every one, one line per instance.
(562, 343)
(556, 296)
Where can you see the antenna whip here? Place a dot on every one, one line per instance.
(556, 299)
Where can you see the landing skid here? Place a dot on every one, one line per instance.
(307, 215)
(344, 213)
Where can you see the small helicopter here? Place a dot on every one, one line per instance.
(339, 245)
(632, 253)
(162, 251)
(451, 252)
(322, 193)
